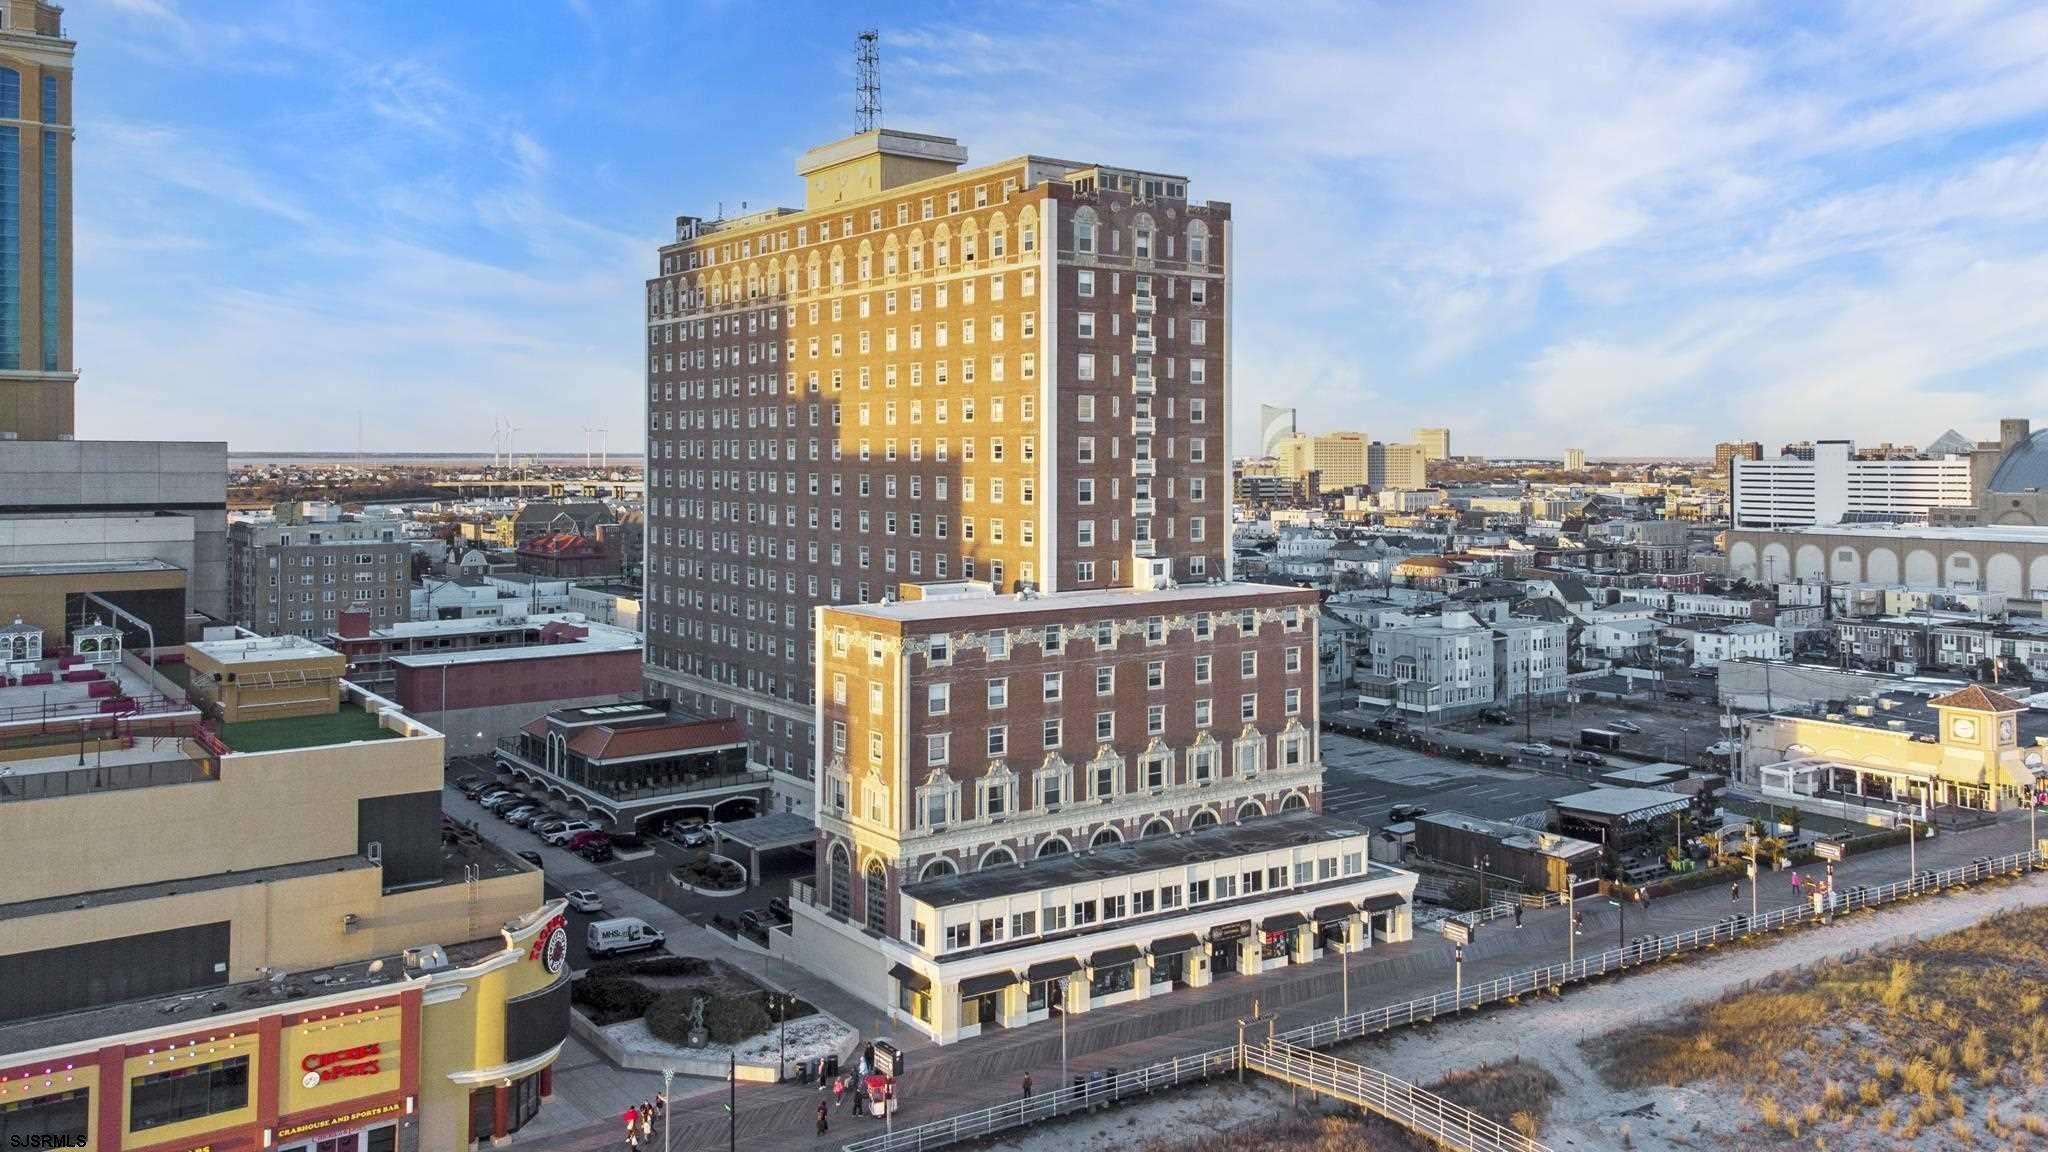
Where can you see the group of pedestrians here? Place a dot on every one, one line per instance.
(640, 1120)
(867, 1091)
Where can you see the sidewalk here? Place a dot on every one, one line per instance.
(976, 1073)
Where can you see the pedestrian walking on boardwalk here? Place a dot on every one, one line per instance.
(1027, 1085)
(824, 1110)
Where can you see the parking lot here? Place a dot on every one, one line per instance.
(647, 873)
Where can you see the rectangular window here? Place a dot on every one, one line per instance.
(937, 699)
(935, 746)
(998, 739)
(999, 693)
(1052, 685)
(188, 1093)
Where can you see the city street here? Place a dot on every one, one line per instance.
(978, 1072)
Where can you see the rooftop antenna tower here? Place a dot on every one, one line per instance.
(867, 82)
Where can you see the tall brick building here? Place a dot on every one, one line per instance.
(1014, 374)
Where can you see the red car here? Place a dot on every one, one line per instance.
(591, 837)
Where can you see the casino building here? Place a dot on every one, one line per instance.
(232, 917)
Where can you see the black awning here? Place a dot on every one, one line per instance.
(910, 978)
(1235, 930)
(1331, 913)
(1385, 903)
(1111, 957)
(1282, 922)
(983, 985)
(1052, 969)
(1174, 945)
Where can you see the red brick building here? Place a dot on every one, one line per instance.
(571, 554)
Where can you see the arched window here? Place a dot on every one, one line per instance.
(996, 858)
(1142, 237)
(1053, 847)
(1198, 242)
(842, 882)
(1250, 809)
(1203, 819)
(937, 868)
(1105, 837)
(1084, 231)
(1155, 827)
(1294, 802)
(877, 897)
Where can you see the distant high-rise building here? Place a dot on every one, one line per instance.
(1396, 466)
(1735, 450)
(292, 574)
(37, 380)
(1013, 374)
(1338, 457)
(1574, 459)
(1802, 450)
(1436, 443)
(1275, 425)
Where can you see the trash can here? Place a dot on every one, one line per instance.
(831, 1066)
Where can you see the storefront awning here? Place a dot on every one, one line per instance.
(1111, 957)
(1174, 945)
(983, 985)
(1236, 930)
(1283, 922)
(1052, 969)
(910, 977)
(1382, 903)
(1331, 913)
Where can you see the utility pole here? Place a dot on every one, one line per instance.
(668, 1080)
(732, 1102)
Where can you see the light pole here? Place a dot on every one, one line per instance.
(1754, 876)
(1912, 854)
(1063, 1037)
(1571, 912)
(668, 1079)
(1345, 954)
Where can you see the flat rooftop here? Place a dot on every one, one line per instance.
(423, 629)
(585, 647)
(343, 726)
(199, 1004)
(1628, 803)
(1111, 599)
(86, 567)
(1217, 842)
(1962, 534)
(1906, 710)
(1512, 835)
(261, 649)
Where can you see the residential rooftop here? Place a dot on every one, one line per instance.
(346, 725)
(261, 649)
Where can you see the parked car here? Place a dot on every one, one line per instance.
(584, 835)
(780, 908)
(1588, 758)
(1624, 725)
(1721, 748)
(622, 934)
(530, 856)
(757, 920)
(464, 782)
(1535, 749)
(568, 831)
(1495, 716)
(697, 836)
(520, 817)
(1400, 812)
(499, 801)
(584, 900)
(596, 851)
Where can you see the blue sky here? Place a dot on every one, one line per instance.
(1632, 227)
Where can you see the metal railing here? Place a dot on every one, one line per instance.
(105, 778)
(1449, 1124)
(1476, 916)
(1103, 1090)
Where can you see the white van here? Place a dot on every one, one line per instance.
(621, 934)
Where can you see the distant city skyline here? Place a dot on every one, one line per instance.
(1766, 226)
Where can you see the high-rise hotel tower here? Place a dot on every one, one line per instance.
(36, 373)
(1014, 374)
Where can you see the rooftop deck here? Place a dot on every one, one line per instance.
(285, 732)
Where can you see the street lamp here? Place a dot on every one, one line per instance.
(668, 1079)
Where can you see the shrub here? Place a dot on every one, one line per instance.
(669, 1017)
(653, 967)
(611, 999)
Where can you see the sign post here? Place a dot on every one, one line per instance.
(1830, 851)
(1460, 934)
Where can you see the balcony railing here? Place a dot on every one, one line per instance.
(1144, 506)
(1144, 385)
(106, 778)
(1144, 425)
(1144, 305)
(1143, 549)
(1144, 345)
(1145, 466)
